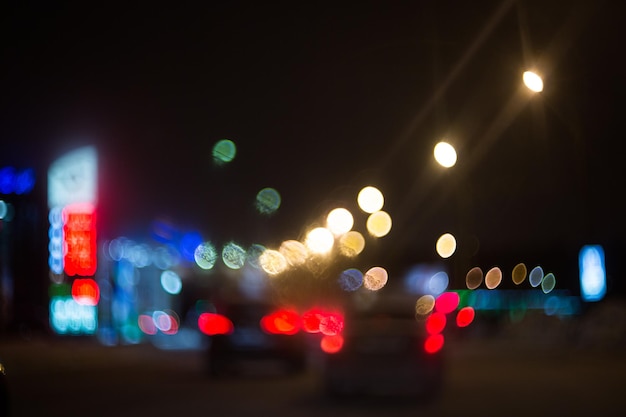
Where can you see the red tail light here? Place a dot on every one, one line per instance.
(311, 320)
(281, 322)
(434, 343)
(435, 323)
(213, 324)
(320, 321)
(331, 344)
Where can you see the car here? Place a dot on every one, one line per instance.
(382, 352)
(251, 336)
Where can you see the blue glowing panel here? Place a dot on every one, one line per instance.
(13, 181)
(592, 273)
(73, 178)
(188, 244)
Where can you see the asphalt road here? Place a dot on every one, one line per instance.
(484, 377)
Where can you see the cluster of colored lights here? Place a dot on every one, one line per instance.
(327, 323)
(437, 310)
(166, 322)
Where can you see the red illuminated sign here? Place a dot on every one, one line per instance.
(86, 291)
(80, 240)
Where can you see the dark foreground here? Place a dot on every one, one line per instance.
(71, 377)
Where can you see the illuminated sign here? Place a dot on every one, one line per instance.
(69, 317)
(72, 245)
(80, 240)
(85, 291)
(14, 181)
(73, 178)
(592, 273)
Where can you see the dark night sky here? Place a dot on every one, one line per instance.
(322, 99)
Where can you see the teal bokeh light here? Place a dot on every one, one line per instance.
(224, 151)
(267, 201)
(233, 255)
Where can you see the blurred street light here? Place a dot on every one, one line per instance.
(533, 81)
(445, 154)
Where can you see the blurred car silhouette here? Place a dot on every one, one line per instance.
(253, 337)
(381, 352)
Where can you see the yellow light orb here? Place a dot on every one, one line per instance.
(294, 252)
(446, 245)
(272, 262)
(370, 199)
(533, 81)
(424, 305)
(519, 273)
(445, 154)
(339, 221)
(320, 240)
(379, 223)
(351, 244)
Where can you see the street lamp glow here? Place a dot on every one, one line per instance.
(379, 224)
(320, 240)
(370, 199)
(445, 154)
(446, 245)
(533, 81)
(339, 221)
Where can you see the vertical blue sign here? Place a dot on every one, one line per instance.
(592, 273)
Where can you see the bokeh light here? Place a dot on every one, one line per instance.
(535, 277)
(272, 262)
(188, 245)
(548, 283)
(85, 291)
(424, 305)
(438, 283)
(233, 255)
(224, 151)
(474, 278)
(447, 302)
(465, 316)
(351, 279)
(375, 278)
(146, 324)
(331, 344)
(445, 154)
(493, 278)
(205, 255)
(311, 320)
(331, 324)
(433, 343)
(351, 244)
(339, 221)
(370, 199)
(319, 240)
(379, 223)
(435, 323)
(446, 245)
(519, 273)
(171, 282)
(267, 201)
(295, 252)
(533, 81)
(213, 324)
(254, 253)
